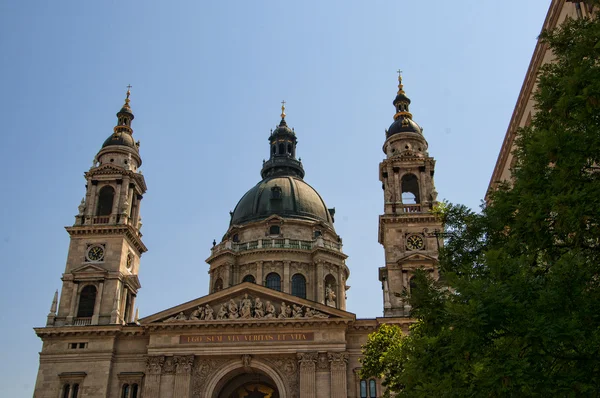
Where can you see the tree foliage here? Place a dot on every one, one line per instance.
(517, 310)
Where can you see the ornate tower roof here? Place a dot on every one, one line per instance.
(402, 118)
(123, 133)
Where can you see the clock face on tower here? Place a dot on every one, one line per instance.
(95, 253)
(415, 242)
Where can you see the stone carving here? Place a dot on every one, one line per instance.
(307, 361)
(169, 366)
(329, 296)
(222, 314)
(246, 360)
(154, 364)
(247, 309)
(233, 310)
(285, 311)
(323, 361)
(208, 313)
(269, 310)
(203, 369)
(197, 314)
(338, 360)
(81, 207)
(296, 311)
(258, 308)
(184, 364)
(288, 367)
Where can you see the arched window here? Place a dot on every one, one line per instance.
(134, 391)
(125, 391)
(289, 151)
(410, 189)
(249, 278)
(218, 285)
(274, 230)
(105, 201)
(372, 389)
(75, 391)
(413, 284)
(299, 286)
(273, 281)
(66, 391)
(363, 389)
(87, 301)
(281, 149)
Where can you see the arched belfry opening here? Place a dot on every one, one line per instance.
(410, 189)
(105, 201)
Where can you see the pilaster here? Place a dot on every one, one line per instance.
(338, 362)
(154, 366)
(183, 372)
(307, 362)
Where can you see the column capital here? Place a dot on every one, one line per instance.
(183, 364)
(338, 359)
(154, 364)
(307, 360)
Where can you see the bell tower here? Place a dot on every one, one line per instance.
(408, 229)
(100, 282)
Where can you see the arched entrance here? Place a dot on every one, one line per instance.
(249, 385)
(259, 380)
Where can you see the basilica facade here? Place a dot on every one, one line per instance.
(274, 322)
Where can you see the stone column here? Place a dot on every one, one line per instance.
(183, 372)
(74, 297)
(154, 366)
(319, 283)
(97, 304)
(286, 277)
(308, 363)
(259, 273)
(90, 201)
(338, 361)
(397, 186)
(116, 203)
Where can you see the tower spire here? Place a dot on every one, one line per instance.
(282, 160)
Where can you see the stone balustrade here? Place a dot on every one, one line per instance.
(276, 244)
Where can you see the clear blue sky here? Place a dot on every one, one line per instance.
(208, 78)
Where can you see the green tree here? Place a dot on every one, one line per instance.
(517, 310)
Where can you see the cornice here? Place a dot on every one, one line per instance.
(102, 229)
(525, 94)
(91, 331)
(321, 323)
(244, 253)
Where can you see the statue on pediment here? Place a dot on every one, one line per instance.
(233, 310)
(246, 307)
(312, 313)
(259, 310)
(208, 313)
(286, 311)
(269, 310)
(222, 314)
(296, 311)
(197, 314)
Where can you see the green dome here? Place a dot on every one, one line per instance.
(286, 196)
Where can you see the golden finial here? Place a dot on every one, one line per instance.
(400, 86)
(283, 109)
(128, 94)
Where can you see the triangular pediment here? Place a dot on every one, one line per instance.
(417, 259)
(109, 168)
(88, 268)
(247, 302)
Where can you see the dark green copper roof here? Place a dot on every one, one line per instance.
(296, 199)
(120, 138)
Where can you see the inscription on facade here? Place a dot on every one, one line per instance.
(247, 338)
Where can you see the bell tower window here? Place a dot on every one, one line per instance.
(87, 301)
(410, 189)
(105, 201)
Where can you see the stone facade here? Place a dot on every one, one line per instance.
(274, 322)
